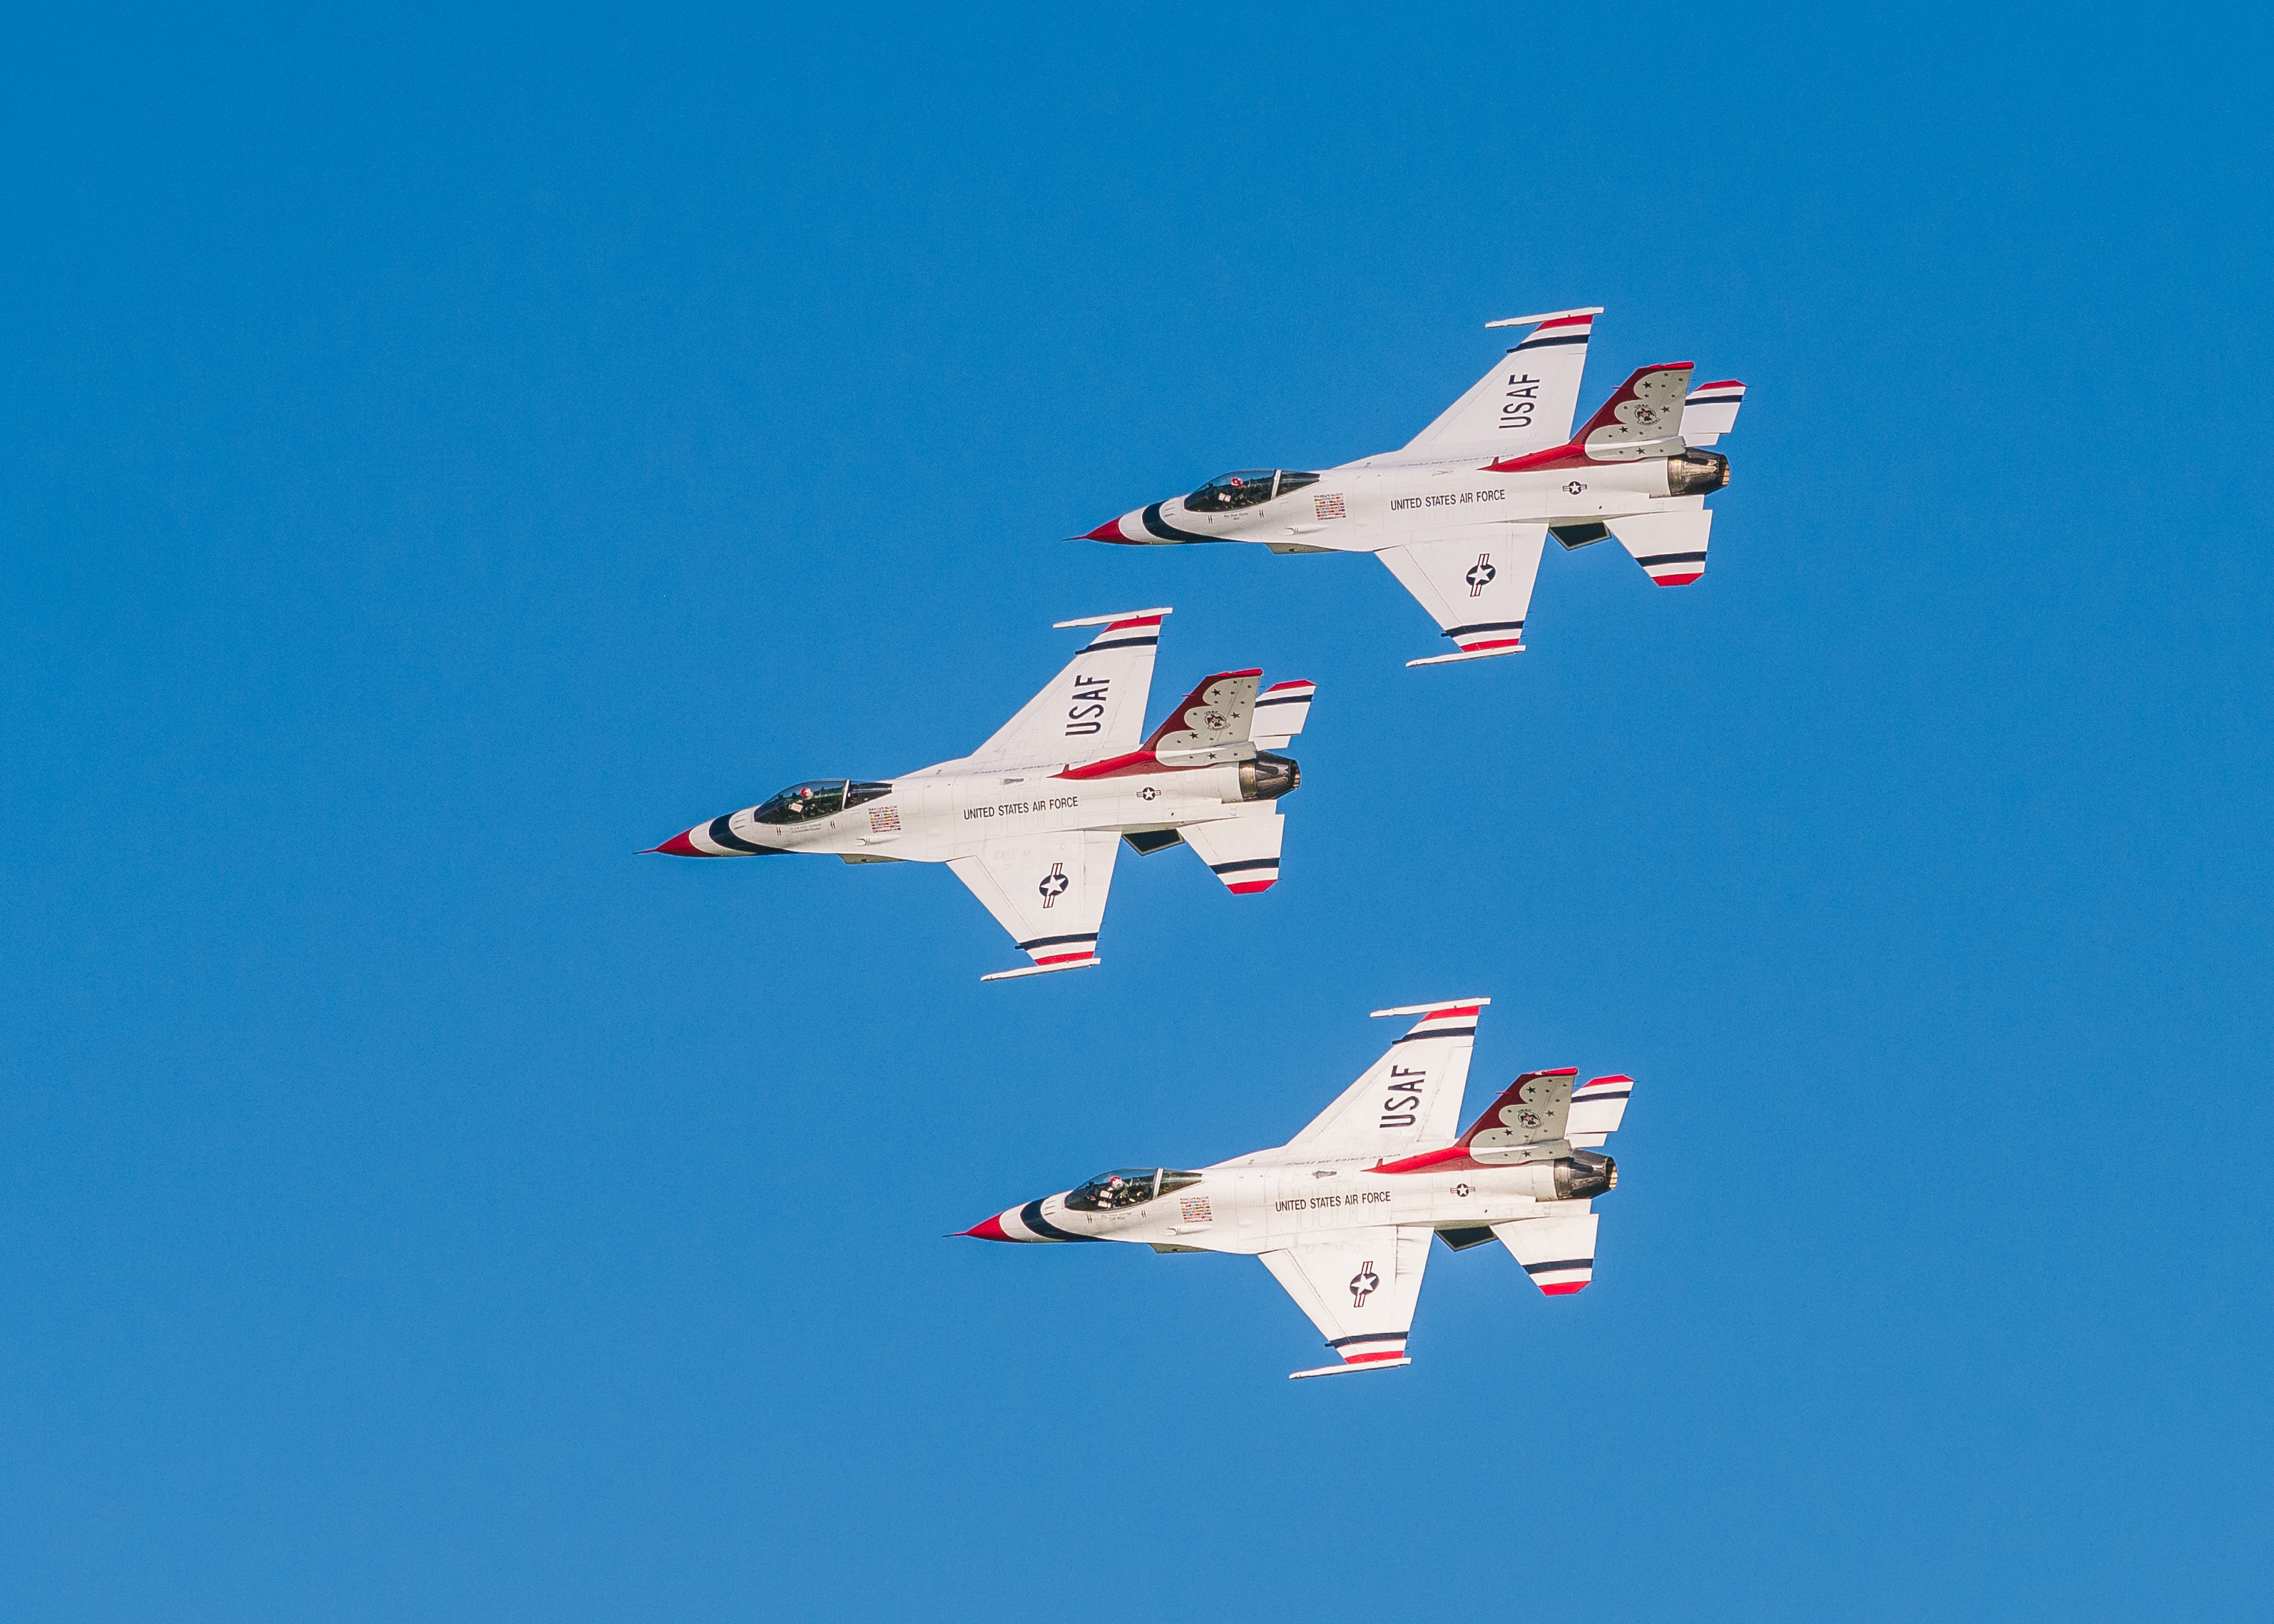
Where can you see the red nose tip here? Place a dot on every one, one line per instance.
(990, 1229)
(678, 846)
(1111, 530)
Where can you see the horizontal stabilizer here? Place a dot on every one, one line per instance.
(1711, 411)
(1669, 546)
(1242, 852)
(1558, 1253)
(1598, 1107)
(1280, 712)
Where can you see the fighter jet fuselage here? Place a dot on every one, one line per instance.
(941, 813)
(1460, 514)
(1263, 1202)
(1343, 1214)
(1033, 819)
(1366, 505)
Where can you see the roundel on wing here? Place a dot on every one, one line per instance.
(1364, 1284)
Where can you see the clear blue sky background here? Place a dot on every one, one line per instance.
(445, 454)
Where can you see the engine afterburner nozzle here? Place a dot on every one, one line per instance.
(1696, 473)
(1268, 777)
(1584, 1173)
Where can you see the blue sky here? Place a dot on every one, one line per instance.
(444, 454)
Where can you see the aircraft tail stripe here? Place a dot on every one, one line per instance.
(1251, 862)
(1369, 1336)
(1484, 625)
(1559, 338)
(1122, 643)
(1670, 558)
(1551, 1268)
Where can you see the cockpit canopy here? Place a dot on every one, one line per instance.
(1250, 487)
(1127, 1187)
(801, 803)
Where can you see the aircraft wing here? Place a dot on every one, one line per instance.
(1047, 890)
(1527, 402)
(1411, 1096)
(1359, 1288)
(1478, 591)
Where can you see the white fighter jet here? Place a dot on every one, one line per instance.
(1032, 820)
(1341, 1214)
(1461, 513)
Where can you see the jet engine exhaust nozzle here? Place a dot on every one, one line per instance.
(1268, 777)
(1584, 1173)
(1696, 473)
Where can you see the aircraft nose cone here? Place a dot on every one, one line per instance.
(1111, 530)
(986, 1230)
(678, 846)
